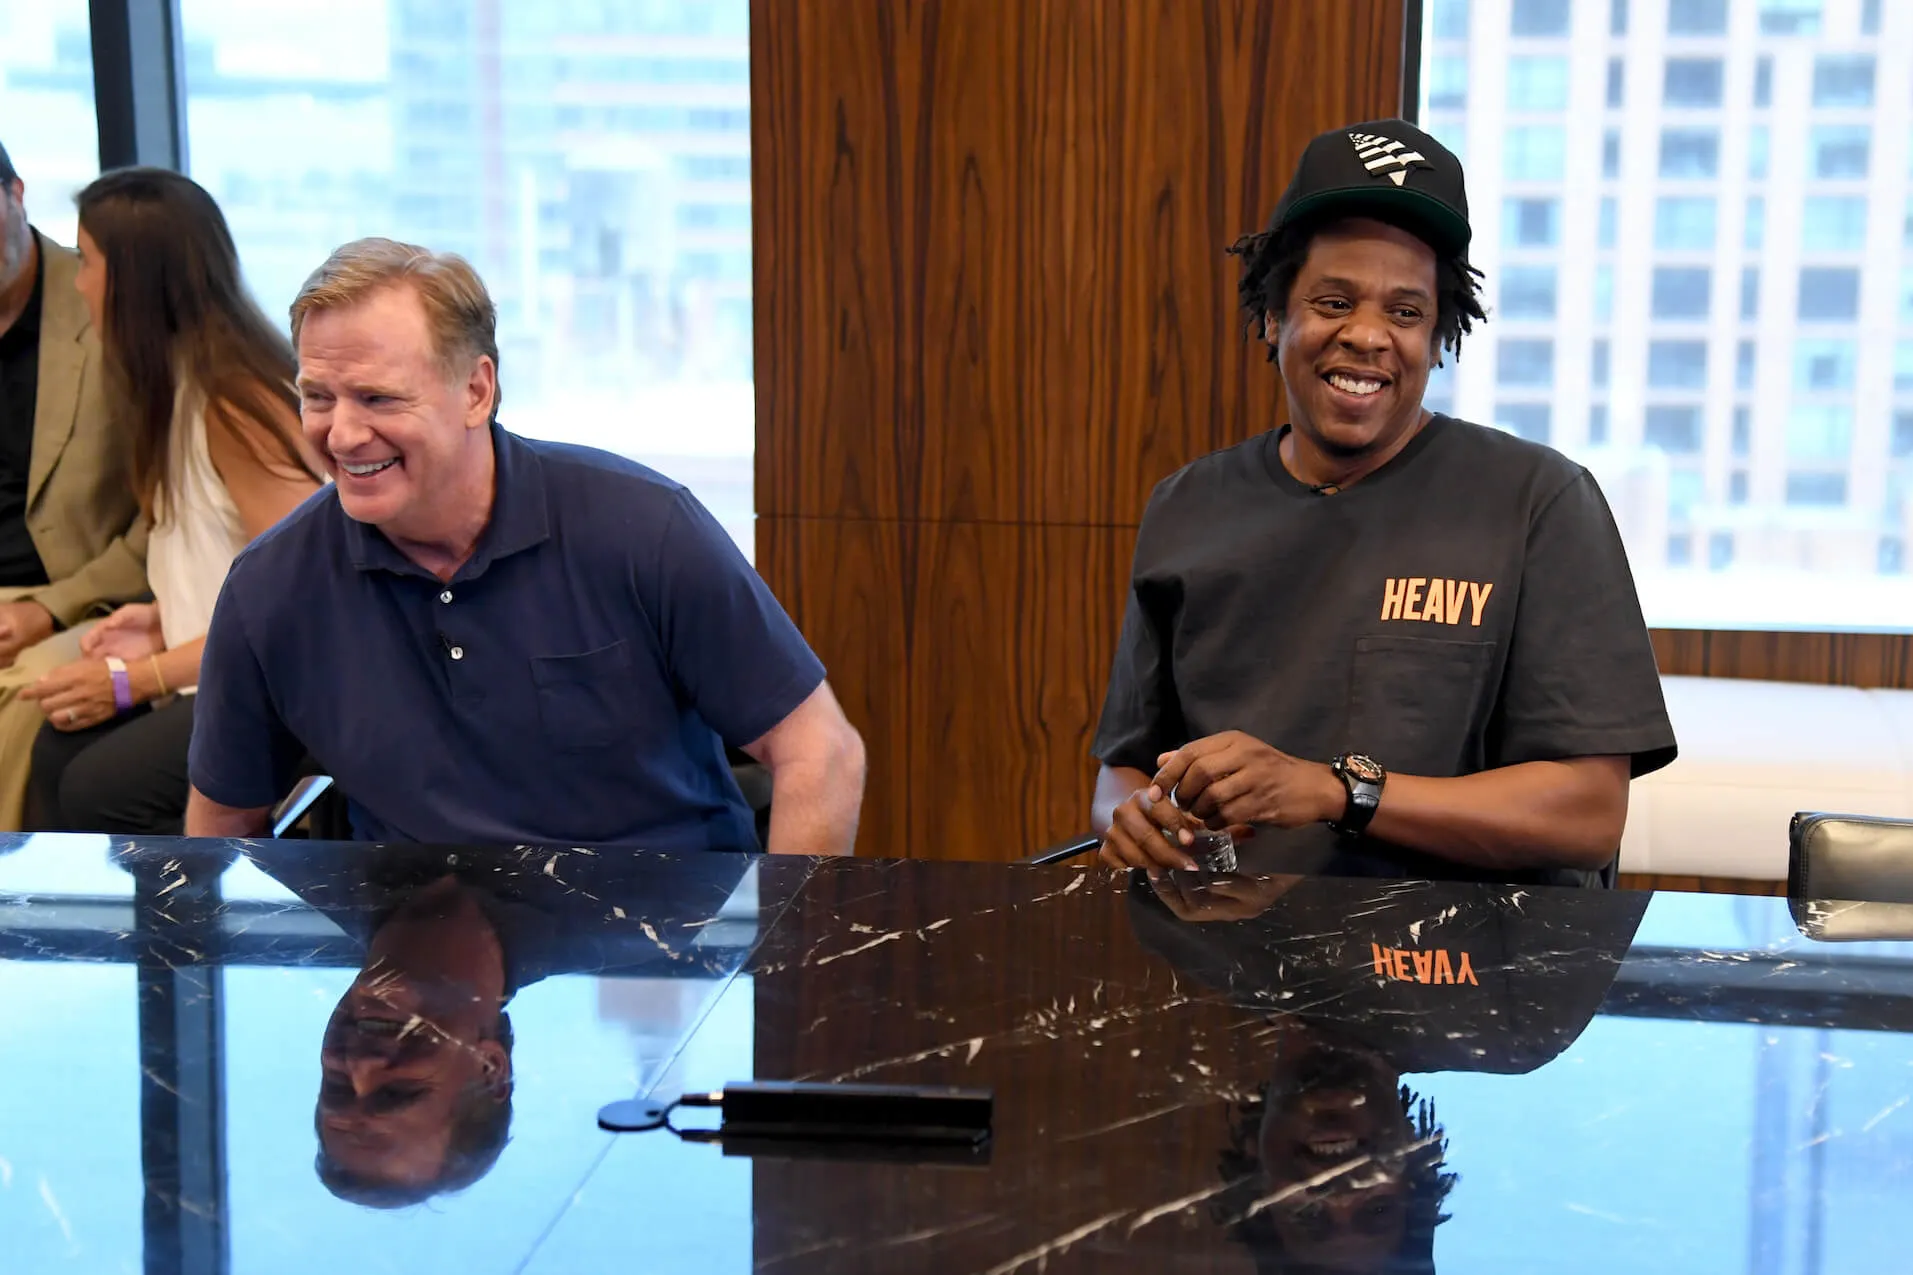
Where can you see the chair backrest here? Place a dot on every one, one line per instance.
(1857, 857)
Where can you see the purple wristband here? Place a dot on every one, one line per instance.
(122, 684)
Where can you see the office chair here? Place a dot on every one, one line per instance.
(1853, 857)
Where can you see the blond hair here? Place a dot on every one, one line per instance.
(458, 310)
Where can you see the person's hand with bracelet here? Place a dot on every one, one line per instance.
(86, 693)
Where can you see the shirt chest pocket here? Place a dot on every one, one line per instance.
(1421, 705)
(586, 702)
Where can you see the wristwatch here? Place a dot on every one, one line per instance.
(1363, 776)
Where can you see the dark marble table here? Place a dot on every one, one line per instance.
(289, 1057)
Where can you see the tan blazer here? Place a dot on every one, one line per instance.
(81, 511)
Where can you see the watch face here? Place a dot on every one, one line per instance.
(1363, 768)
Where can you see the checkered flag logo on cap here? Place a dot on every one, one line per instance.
(1386, 157)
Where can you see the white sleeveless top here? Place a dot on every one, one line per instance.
(192, 547)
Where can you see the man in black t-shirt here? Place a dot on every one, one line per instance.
(1391, 642)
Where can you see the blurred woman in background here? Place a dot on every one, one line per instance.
(205, 384)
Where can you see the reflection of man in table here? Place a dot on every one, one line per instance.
(415, 1095)
(1335, 1165)
(416, 1062)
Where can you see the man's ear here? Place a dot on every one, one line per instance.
(1271, 327)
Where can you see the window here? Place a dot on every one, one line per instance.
(1754, 229)
(1540, 17)
(1816, 487)
(1829, 292)
(1675, 429)
(1681, 292)
(1448, 83)
(1902, 441)
(1616, 81)
(1870, 17)
(1750, 292)
(1537, 84)
(1892, 559)
(1692, 82)
(621, 277)
(1685, 488)
(1819, 432)
(1603, 293)
(1680, 547)
(1757, 144)
(1839, 150)
(1737, 487)
(1720, 550)
(1902, 366)
(1600, 368)
(1531, 223)
(1696, 17)
(1525, 362)
(46, 78)
(1822, 363)
(1531, 421)
(1450, 18)
(1834, 223)
(1535, 153)
(1597, 424)
(1789, 17)
(1744, 365)
(1684, 223)
(1691, 153)
(1843, 80)
(1609, 216)
(1676, 365)
(1743, 438)
(1906, 295)
(1611, 153)
(1764, 81)
(1527, 292)
(1617, 17)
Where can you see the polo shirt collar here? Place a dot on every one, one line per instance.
(520, 516)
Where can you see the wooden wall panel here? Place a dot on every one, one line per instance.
(1840, 659)
(992, 311)
(972, 657)
(989, 240)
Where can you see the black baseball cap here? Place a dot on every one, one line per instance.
(1388, 169)
(7, 172)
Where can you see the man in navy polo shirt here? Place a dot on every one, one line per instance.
(486, 639)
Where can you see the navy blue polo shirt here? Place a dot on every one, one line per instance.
(576, 681)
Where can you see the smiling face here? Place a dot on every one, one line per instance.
(406, 439)
(1357, 339)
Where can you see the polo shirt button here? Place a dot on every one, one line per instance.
(458, 652)
(445, 596)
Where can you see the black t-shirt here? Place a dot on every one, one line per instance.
(20, 564)
(1467, 606)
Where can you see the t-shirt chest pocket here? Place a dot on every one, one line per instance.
(1420, 705)
(585, 701)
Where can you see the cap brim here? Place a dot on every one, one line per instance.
(1435, 222)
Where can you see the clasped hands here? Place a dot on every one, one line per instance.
(79, 695)
(1231, 781)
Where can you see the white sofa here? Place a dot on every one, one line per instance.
(1753, 753)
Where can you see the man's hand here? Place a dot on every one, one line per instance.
(132, 633)
(1146, 831)
(22, 624)
(75, 696)
(1233, 778)
(1228, 898)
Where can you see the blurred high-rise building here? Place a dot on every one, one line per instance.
(1693, 218)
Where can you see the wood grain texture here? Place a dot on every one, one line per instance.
(1838, 659)
(972, 657)
(1701, 885)
(990, 281)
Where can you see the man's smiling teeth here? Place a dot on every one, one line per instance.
(360, 471)
(1353, 384)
